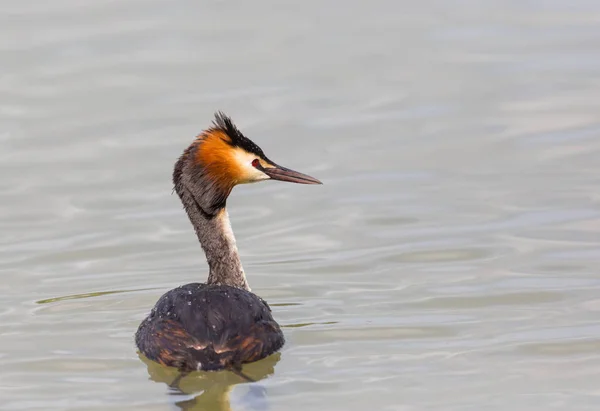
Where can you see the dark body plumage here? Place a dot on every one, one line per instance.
(209, 327)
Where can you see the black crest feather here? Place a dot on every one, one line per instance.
(223, 123)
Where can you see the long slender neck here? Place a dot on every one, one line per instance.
(217, 240)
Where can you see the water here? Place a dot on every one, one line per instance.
(451, 260)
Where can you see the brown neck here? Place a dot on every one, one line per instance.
(213, 230)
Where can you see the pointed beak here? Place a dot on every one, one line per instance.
(291, 176)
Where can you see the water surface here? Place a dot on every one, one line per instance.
(450, 261)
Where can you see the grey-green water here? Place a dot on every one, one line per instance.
(451, 260)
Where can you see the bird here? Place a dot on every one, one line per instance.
(220, 324)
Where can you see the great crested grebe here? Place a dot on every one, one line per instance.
(219, 324)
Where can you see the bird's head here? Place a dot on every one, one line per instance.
(220, 158)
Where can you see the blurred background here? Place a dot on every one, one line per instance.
(450, 261)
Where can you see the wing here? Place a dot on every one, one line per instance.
(199, 326)
(167, 342)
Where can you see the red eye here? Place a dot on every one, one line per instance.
(255, 163)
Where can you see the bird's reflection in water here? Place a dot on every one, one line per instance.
(203, 391)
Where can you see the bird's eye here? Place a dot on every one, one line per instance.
(255, 162)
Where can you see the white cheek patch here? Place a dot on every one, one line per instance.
(250, 174)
